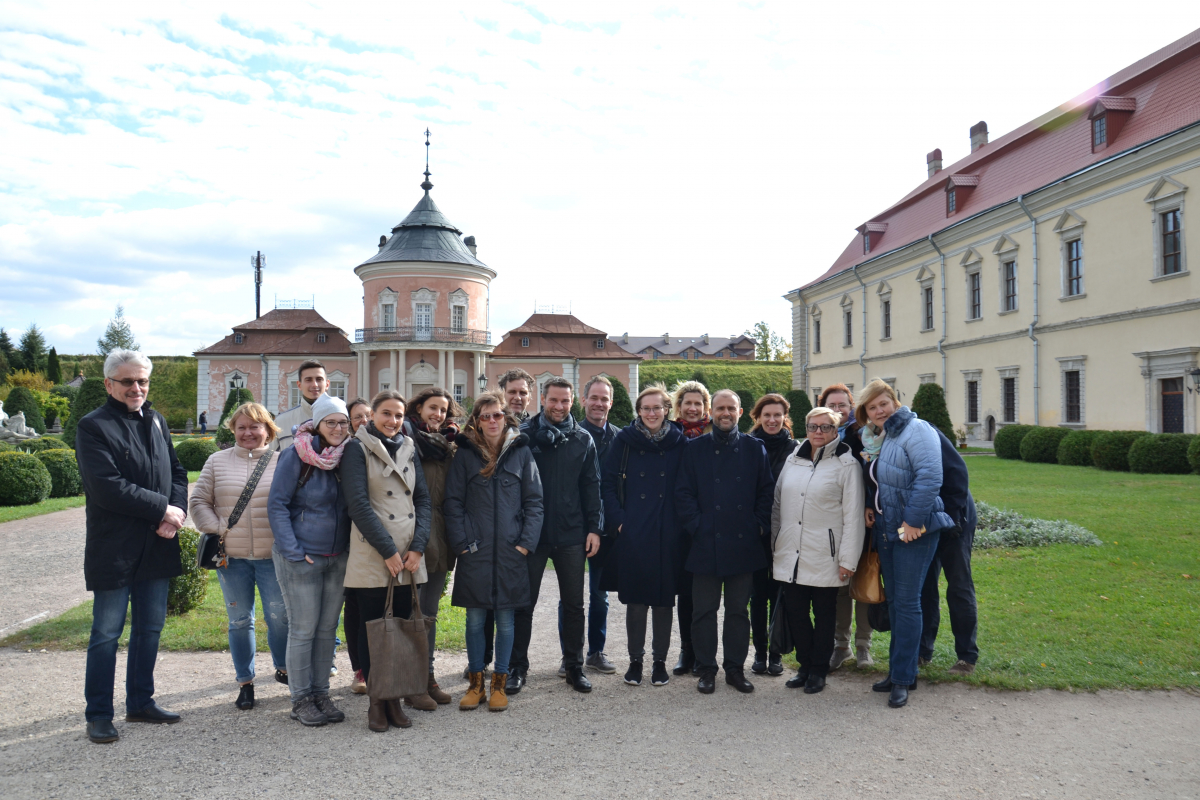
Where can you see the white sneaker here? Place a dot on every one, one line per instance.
(863, 657)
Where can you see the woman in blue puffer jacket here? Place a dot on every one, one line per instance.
(903, 458)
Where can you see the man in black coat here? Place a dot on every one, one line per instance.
(724, 499)
(566, 459)
(136, 502)
(954, 558)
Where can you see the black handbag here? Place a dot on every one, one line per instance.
(780, 632)
(877, 616)
(210, 550)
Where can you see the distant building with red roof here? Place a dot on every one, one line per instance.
(1042, 279)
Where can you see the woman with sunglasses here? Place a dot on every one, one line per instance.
(817, 531)
(493, 513)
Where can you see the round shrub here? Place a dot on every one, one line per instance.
(929, 403)
(800, 405)
(65, 480)
(192, 453)
(24, 480)
(187, 590)
(1075, 450)
(42, 444)
(1161, 453)
(1110, 451)
(1040, 445)
(621, 413)
(5, 447)
(1194, 454)
(21, 400)
(1008, 440)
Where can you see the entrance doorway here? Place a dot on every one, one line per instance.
(1172, 405)
(991, 429)
(417, 388)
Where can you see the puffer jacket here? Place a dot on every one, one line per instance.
(817, 521)
(311, 518)
(435, 454)
(570, 476)
(218, 490)
(909, 474)
(487, 518)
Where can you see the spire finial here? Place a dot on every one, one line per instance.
(426, 185)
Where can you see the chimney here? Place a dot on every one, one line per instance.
(625, 337)
(382, 241)
(933, 162)
(978, 135)
(470, 243)
(667, 338)
(705, 340)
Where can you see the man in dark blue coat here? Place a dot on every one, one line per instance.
(136, 502)
(724, 500)
(954, 558)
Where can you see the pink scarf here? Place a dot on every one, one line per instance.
(327, 459)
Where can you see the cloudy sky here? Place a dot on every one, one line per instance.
(657, 167)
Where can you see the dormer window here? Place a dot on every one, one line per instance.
(871, 232)
(320, 338)
(866, 243)
(524, 341)
(1108, 116)
(1099, 131)
(951, 204)
(958, 190)
(599, 344)
(238, 338)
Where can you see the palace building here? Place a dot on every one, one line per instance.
(1044, 278)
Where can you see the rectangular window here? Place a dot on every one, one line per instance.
(975, 301)
(928, 308)
(849, 317)
(817, 336)
(525, 343)
(1010, 286)
(1074, 267)
(887, 319)
(1171, 250)
(1099, 131)
(972, 401)
(720, 354)
(1071, 387)
(293, 395)
(337, 389)
(389, 315)
(1009, 388)
(458, 319)
(733, 354)
(655, 355)
(866, 243)
(1172, 405)
(460, 391)
(951, 202)
(424, 321)
(599, 344)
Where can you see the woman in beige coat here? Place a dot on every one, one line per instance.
(817, 531)
(247, 543)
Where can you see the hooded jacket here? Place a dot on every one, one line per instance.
(909, 474)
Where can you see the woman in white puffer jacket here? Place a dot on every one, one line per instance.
(817, 530)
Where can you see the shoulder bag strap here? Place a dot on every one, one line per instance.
(242, 502)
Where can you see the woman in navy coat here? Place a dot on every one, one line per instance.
(638, 487)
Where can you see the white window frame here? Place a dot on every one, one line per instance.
(885, 311)
(816, 318)
(1006, 251)
(972, 264)
(1015, 374)
(1166, 196)
(1072, 364)
(459, 304)
(972, 376)
(388, 298)
(847, 321)
(1070, 229)
(423, 299)
(925, 279)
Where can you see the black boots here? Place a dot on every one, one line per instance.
(686, 663)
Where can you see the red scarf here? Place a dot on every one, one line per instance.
(693, 429)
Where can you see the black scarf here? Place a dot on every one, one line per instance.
(392, 445)
(774, 442)
(724, 438)
(550, 433)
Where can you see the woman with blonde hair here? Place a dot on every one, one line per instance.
(217, 506)
(693, 417)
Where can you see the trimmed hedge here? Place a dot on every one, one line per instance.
(21, 400)
(1110, 451)
(747, 400)
(65, 480)
(800, 406)
(192, 453)
(1040, 445)
(929, 403)
(1194, 454)
(42, 444)
(187, 591)
(24, 480)
(1075, 450)
(1008, 440)
(1161, 453)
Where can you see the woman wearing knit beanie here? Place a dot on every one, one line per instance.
(309, 518)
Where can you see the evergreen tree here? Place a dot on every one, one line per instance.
(747, 400)
(3, 369)
(621, 413)
(118, 335)
(236, 397)
(90, 397)
(929, 403)
(53, 370)
(799, 406)
(33, 350)
(576, 410)
(7, 350)
(21, 400)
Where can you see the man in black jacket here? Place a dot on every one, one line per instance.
(136, 502)
(724, 499)
(566, 459)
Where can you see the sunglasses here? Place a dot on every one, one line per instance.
(129, 382)
(495, 415)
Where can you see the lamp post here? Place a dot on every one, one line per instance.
(1195, 375)
(482, 383)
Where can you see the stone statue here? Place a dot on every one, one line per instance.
(3, 416)
(13, 429)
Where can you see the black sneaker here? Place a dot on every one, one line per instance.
(759, 667)
(659, 675)
(775, 665)
(633, 675)
(306, 712)
(325, 705)
(245, 699)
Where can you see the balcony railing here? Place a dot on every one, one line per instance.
(422, 334)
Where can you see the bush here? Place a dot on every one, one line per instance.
(576, 409)
(5, 447)
(21, 400)
(757, 377)
(1110, 451)
(1000, 528)
(1040, 445)
(65, 480)
(90, 397)
(53, 407)
(62, 390)
(1008, 440)
(929, 403)
(1161, 453)
(192, 453)
(187, 590)
(30, 380)
(747, 401)
(1194, 454)
(1075, 450)
(42, 444)
(24, 480)
(799, 406)
(621, 413)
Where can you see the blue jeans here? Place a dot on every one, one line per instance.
(597, 615)
(477, 643)
(149, 601)
(313, 594)
(237, 585)
(904, 565)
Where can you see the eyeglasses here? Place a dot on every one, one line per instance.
(496, 415)
(129, 382)
(821, 428)
(335, 425)
(652, 409)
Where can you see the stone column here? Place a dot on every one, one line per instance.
(393, 365)
(442, 368)
(364, 361)
(481, 369)
(450, 372)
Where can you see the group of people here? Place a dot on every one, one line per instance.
(325, 507)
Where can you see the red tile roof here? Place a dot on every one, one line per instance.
(1163, 89)
(283, 332)
(555, 324)
(558, 336)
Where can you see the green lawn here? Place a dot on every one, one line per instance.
(203, 628)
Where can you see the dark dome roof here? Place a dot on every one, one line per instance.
(425, 235)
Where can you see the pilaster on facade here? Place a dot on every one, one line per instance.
(203, 384)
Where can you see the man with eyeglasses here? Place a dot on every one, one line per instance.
(136, 502)
(312, 382)
(724, 499)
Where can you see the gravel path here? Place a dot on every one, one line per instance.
(619, 741)
(42, 569)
